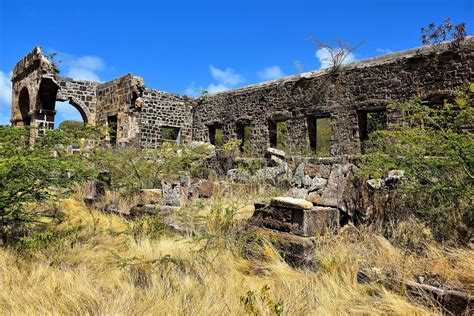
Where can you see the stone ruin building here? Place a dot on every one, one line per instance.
(328, 112)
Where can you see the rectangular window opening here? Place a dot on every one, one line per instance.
(216, 135)
(369, 122)
(278, 132)
(170, 134)
(243, 134)
(320, 132)
(112, 122)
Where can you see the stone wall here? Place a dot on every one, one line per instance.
(81, 94)
(161, 110)
(145, 117)
(428, 72)
(33, 90)
(119, 100)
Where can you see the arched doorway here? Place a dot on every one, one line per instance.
(69, 114)
(24, 105)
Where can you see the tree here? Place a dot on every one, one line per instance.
(434, 147)
(435, 34)
(31, 175)
(71, 124)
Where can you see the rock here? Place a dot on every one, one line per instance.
(309, 176)
(314, 184)
(276, 152)
(279, 175)
(175, 193)
(238, 175)
(113, 208)
(341, 191)
(313, 197)
(320, 171)
(291, 203)
(298, 177)
(150, 196)
(393, 178)
(317, 221)
(376, 184)
(140, 210)
(297, 193)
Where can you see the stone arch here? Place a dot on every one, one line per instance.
(24, 106)
(79, 106)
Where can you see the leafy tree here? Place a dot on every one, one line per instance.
(71, 124)
(31, 175)
(434, 147)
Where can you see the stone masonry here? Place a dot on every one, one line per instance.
(346, 97)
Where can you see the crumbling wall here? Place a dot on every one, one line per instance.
(81, 94)
(121, 98)
(34, 89)
(341, 95)
(163, 110)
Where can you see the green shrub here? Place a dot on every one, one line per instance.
(436, 151)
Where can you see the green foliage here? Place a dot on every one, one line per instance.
(436, 152)
(71, 124)
(31, 175)
(323, 137)
(131, 170)
(28, 246)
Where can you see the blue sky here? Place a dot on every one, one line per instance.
(183, 46)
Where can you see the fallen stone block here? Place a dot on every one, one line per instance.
(276, 152)
(317, 221)
(297, 193)
(291, 203)
(341, 191)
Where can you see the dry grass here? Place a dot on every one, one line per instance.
(103, 269)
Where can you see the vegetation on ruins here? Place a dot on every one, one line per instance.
(433, 145)
(31, 175)
(71, 124)
(435, 34)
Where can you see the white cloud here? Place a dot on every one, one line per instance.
(226, 80)
(82, 67)
(65, 111)
(5, 97)
(324, 57)
(384, 50)
(83, 74)
(226, 77)
(214, 88)
(270, 73)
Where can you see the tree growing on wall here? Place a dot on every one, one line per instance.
(437, 33)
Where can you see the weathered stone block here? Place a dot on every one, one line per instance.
(291, 203)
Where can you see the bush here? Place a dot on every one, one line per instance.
(33, 174)
(434, 147)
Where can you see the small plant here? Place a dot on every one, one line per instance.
(435, 34)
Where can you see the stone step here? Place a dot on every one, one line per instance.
(315, 221)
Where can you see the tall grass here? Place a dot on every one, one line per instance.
(102, 266)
